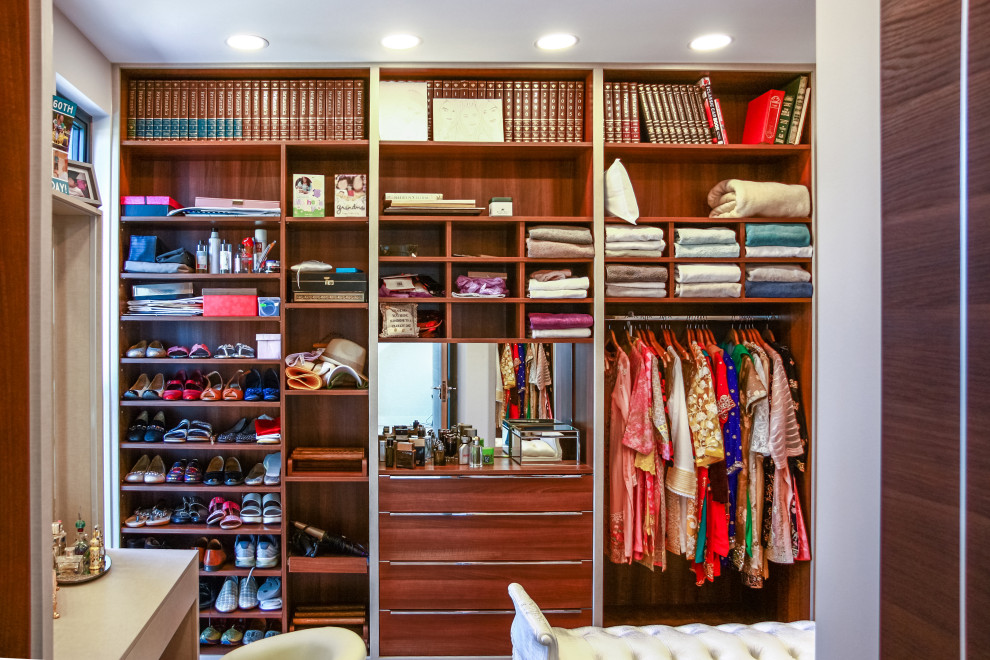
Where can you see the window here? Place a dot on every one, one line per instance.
(80, 138)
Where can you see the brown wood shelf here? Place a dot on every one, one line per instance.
(709, 260)
(325, 305)
(487, 340)
(161, 403)
(199, 276)
(335, 392)
(316, 476)
(502, 466)
(203, 530)
(157, 318)
(327, 221)
(489, 301)
(194, 361)
(494, 150)
(484, 219)
(706, 220)
(230, 569)
(198, 488)
(199, 221)
(336, 565)
(650, 301)
(706, 152)
(212, 447)
(241, 148)
(237, 614)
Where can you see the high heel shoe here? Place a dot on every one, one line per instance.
(233, 391)
(138, 389)
(155, 389)
(192, 389)
(270, 387)
(252, 386)
(214, 389)
(173, 391)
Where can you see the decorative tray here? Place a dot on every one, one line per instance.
(86, 577)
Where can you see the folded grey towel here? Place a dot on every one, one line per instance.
(636, 245)
(706, 251)
(615, 273)
(639, 254)
(704, 235)
(626, 291)
(780, 251)
(777, 273)
(696, 273)
(554, 250)
(561, 234)
(734, 198)
(637, 233)
(557, 285)
(708, 290)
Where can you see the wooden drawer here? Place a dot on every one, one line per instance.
(485, 537)
(462, 633)
(462, 493)
(482, 586)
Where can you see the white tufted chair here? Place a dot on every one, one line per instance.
(534, 639)
(326, 643)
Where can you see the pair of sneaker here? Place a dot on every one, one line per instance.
(259, 551)
(246, 595)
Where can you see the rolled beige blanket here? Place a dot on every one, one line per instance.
(734, 198)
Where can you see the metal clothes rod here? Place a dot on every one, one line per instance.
(728, 318)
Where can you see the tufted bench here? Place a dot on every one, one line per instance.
(534, 639)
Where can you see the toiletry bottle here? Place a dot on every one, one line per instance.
(260, 241)
(464, 456)
(214, 252)
(202, 258)
(475, 460)
(225, 258)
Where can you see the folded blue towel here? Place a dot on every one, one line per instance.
(778, 289)
(778, 234)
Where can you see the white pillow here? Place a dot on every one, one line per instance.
(620, 200)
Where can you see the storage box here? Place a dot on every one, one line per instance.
(269, 306)
(230, 302)
(225, 202)
(325, 286)
(269, 346)
(500, 206)
(147, 205)
(553, 441)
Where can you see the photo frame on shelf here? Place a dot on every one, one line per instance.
(82, 182)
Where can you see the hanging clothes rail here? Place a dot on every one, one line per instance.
(702, 317)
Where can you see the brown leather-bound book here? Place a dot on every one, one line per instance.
(284, 131)
(131, 109)
(265, 112)
(139, 123)
(359, 110)
(649, 118)
(303, 110)
(221, 110)
(165, 133)
(534, 112)
(211, 109)
(247, 107)
(321, 110)
(562, 111)
(202, 107)
(311, 110)
(552, 112)
(579, 111)
(527, 111)
(228, 129)
(331, 108)
(543, 125)
(348, 109)
(293, 109)
(237, 130)
(517, 110)
(503, 91)
(192, 124)
(569, 124)
(634, 110)
(472, 89)
(183, 121)
(338, 109)
(176, 109)
(608, 108)
(696, 113)
(626, 115)
(666, 107)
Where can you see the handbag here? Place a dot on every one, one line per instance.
(177, 256)
(145, 248)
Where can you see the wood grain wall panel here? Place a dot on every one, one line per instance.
(16, 192)
(919, 473)
(977, 412)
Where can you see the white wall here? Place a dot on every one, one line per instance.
(847, 525)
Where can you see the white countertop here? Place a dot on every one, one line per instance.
(132, 611)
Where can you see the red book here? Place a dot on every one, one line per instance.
(762, 115)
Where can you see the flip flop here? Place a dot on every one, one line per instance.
(139, 518)
(160, 515)
(251, 508)
(224, 351)
(243, 351)
(271, 507)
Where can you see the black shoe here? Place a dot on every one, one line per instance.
(136, 431)
(271, 385)
(249, 434)
(135, 543)
(156, 428)
(230, 435)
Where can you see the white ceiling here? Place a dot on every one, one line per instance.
(468, 31)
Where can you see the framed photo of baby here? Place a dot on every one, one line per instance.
(82, 182)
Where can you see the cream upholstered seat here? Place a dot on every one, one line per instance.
(534, 639)
(326, 643)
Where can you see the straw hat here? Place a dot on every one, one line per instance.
(344, 352)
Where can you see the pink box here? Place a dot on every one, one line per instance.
(230, 302)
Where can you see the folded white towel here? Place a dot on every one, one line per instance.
(777, 273)
(557, 285)
(780, 251)
(560, 293)
(700, 235)
(627, 291)
(639, 254)
(692, 273)
(708, 290)
(638, 233)
(569, 333)
(641, 246)
(734, 198)
(706, 251)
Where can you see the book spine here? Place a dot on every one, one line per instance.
(801, 115)
(265, 112)
(283, 110)
(249, 110)
(472, 89)
(321, 110)
(681, 135)
(626, 114)
(721, 122)
(211, 110)
(149, 110)
(608, 92)
(311, 110)
(173, 130)
(183, 110)
(562, 111)
(348, 109)
(303, 110)
(165, 133)
(131, 109)
(552, 112)
(544, 111)
(787, 111)
(634, 110)
(232, 99)
(643, 112)
(683, 109)
(793, 137)
(569, 124)
(339, 109)
(773, 117)
(293, 107)
(332, 110)
(430, 86)
(237, 130)
(669, 126)
(579, 111)
(156, 126)
(141, 89)
(528, 105)
(224, 98)
(697, 103)
(192, 127)
(517, 110)
(705, 85)
(203, 93)
(503, 91)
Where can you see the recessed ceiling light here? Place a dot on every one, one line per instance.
(247, 42)
(711, 42)
(401, 41)
(556, 41)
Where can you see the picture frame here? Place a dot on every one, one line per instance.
(82, 182)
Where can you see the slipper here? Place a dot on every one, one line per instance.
(251, 508)
(139, 518)
(272, 588)
(248, 597)
(177, 352)
(232, 517)
(210, 635)
(199, 351)
(232, 636)
(215, 512)
(214, 472)
(243, 351)
(255, 631)
(271, 507)
(225, 351)
(214, 388)
(156, 428)
(178, 472)
(227, 600)
(299, 378)
(174, 388)
(179, 433)
(155, 350)
(197, 510)
(273, 468)
(160, 515)
(136, 475)
(256, 476)
(193, 473)
(199, 431)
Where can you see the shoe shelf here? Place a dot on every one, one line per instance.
(212, 447)
(230, 569)
(339, 565)
(163, 318)
(255, 613)
(198, 488)
(178, 362)
(202, 530)
(328, 305)
(325, 477)
(336, 392)
(161, 403)
(182, 277)
(203, 223)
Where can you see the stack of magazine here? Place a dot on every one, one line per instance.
(428, 204)
(178, 307)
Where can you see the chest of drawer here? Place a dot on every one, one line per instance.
(463, 493)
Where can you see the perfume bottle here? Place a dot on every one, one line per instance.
(82, 544)
(96, 552)
(226, 259)
(475, 460)
(202, 258)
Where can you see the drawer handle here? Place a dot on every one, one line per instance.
(485, 476)
(495, 513)
(484, 563)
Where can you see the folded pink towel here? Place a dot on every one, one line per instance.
(546, 321)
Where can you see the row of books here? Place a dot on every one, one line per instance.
(245, 110)
(777, 116)
(665, 113)
(428, 204)
(532, 110)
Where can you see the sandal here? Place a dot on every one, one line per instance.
(233, 391)
(200, 431)
(192, 389)
(173, 391)
(270, 385)
(232, 515)
(156, 428)
(180, 516)
(160, 515)
(179, 433)
(178, 352)
(225, 351)
(215, 512)
(137, 429)
(156, 389)
(214, 389)
(243, 351)
(199, 351)
(139, 518)
(140, 386)
(230, 435)
(197, 510)
(271, 509)
(252, 386)
(251, 508)
(193, 473)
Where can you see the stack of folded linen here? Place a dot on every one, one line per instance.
(705, 243)
(707, 281)
(777, 281)
(645, 242)
(559, 242)
(268, 431)
(557, 284)
(563, 326)
(778, 240)
(635, 281)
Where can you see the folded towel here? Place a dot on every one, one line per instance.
(554, 250)
(778, 234)
(780, 251)
(636, 245)
(626, 291)
(639, 254)
(734, 198)
(635, 273)
(777, 273)
(155, 267)
(709, 251)
(692, 273)
(779, 289)
(561, 234)
(557, 285)
(550, 275)
(699, 235)
(639, 233)
(481, 286)
(708, 290)
(559, 293)
(563, 333)
(548, 321)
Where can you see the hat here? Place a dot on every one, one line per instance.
(345, 353)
